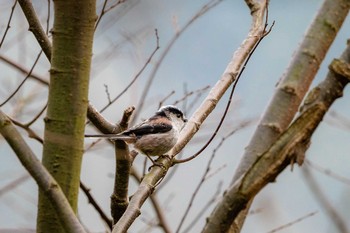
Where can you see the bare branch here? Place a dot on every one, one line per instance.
(8, 23)
(205, 175)
(100, 122)
(320, 196)
(101, 14)
(97, 207)
(157, 173)
(178, 33)
(292, 223)
(43, 178)
(124, 159)
(264, 33)
(161, 216)
(229, 76)
(14, 184)
(165, 98)
(328, 172)
(205, 208)
(107, 93)
(264, 170)
(199, 91)
(136, 76)
(30, 132)
(294, 84)
(296, 81)
(35, 27)
(36, 117)
(291, 143)
(24, 80)
(23, 70)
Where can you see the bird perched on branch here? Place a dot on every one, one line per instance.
(154, 136)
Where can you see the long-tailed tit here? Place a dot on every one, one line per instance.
(155, 136)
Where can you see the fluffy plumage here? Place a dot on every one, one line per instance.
(155, 136)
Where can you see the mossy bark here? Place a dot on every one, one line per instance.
(68, 99)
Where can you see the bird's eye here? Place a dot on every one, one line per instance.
(178, 115)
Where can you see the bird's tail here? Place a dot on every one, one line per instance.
(111, 136)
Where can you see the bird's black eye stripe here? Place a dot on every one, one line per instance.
(176, 111)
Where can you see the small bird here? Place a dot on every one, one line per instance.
(154, 136)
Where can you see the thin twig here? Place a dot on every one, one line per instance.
(14, 184)
(37, 116)
(24, 80)
(157, 173)
(101, 14)
(48, 17)
(137, 75)
(178, 33)
(35, 27)
(205, 208)
(8, 23)
(43, 178)
(165, 98)
(320, 196)
(114, 5)
(193, 102)
(23, 70)
(264, 34)
(328, 172)
(292, 86)
(341, 121)
(291, 144)
(205, 175)
(293, 222)
(97, 207)
(30, 132)
(188, 94)
(196, 191)
(107, 93)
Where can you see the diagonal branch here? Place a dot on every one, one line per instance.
(157, 173)
(23, 70)
(154, 71)
(294, 84)
(93, 202)
(296, 81)
(35, 27)
(320, 196)
(43, 178)
(290, 146)
(227, 78)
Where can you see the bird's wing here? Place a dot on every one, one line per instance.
(158, 126)
(146, 128)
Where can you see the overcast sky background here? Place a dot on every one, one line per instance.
(124, 40)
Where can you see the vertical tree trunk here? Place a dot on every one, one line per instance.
(68, 98)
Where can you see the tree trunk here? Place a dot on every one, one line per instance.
(68, 98)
